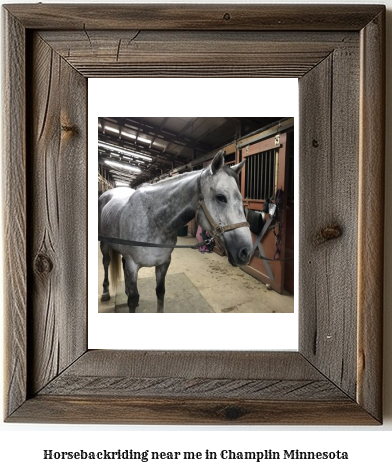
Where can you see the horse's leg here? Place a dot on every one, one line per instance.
(130, 275)
(160, 272)
(106, 261)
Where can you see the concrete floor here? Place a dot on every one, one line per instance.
(199, 283)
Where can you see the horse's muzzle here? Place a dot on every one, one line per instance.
(242, 257)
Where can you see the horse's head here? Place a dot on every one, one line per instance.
(221, 211)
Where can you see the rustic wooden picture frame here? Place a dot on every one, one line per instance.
(337, 52)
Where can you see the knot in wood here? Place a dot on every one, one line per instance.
(227, 16)
(232, 412)
(69, 129)
(327, 233)
(43, 264)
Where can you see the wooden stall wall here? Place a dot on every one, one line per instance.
(268, 170)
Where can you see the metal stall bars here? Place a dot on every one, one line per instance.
(267, 186)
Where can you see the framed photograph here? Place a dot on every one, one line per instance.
(198, 281)
(337, 53)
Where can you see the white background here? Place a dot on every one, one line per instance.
(21, 446)
(185, 98)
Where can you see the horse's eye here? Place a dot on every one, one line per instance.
(221, 198)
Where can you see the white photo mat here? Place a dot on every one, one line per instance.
(206, 97)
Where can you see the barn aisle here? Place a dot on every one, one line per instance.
(200, 283)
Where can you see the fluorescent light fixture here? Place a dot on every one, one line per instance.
(121, 183)
(129, 135)
(144, 140)
(112, 129)
(114, 148)
(118, 149)
(110, 147)
(142, 157)
(134, 169)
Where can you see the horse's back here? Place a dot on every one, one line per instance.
(117, 193)
(112, 201)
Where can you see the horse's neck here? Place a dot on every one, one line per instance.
(178, 202)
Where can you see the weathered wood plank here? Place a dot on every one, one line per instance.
(344, 212)
(192, 17)
(190, 374)
(126, 45)
(189, 387)
(371, 225)
(208, 364)
(58, 409)
(14, 212)
(329, 213)
(126, 42)
(97, 53)
(57, 214)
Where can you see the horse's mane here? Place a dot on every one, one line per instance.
(171, 179)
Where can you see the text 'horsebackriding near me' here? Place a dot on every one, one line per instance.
(141, 225)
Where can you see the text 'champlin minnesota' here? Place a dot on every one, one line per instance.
(225, 454)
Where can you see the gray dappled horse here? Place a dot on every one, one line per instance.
(153, 213)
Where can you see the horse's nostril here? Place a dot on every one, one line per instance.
(243, 255)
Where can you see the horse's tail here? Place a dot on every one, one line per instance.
(115, 269)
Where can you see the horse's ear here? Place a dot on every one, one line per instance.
(218, 161)
(238, 168)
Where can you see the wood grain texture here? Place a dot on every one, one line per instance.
(191, 387)
(193, 53)
(371, 228)
(57, 215)
(329, 197)
(14, 213)
(122, 410)
(209, 364)
(198, 387)
(194, 17)
(205, 374)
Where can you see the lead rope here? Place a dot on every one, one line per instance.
(136, 243)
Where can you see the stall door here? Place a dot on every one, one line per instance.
(266, 184)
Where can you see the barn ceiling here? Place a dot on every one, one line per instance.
(134, 150)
